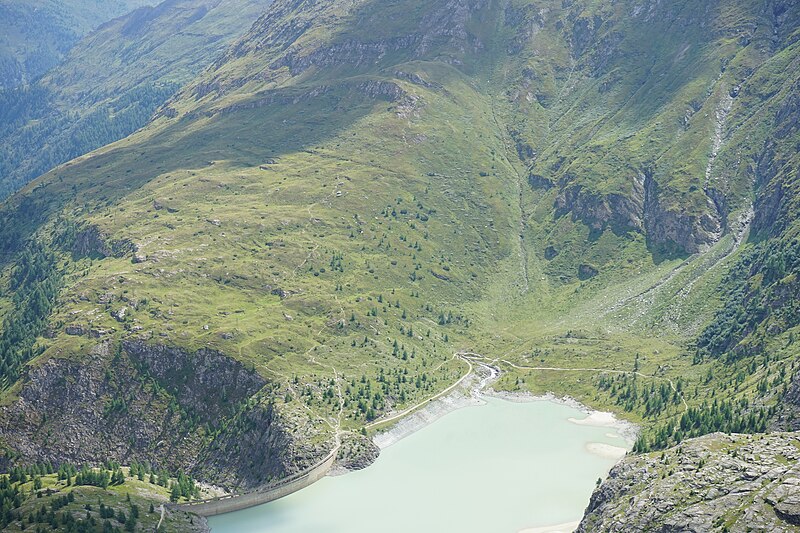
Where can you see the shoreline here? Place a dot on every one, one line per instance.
(566, 527)
(465, 395)
(472, 391)
(625, 429)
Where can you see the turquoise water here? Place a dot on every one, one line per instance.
(499, 467)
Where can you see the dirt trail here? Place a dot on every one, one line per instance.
(470, 355)
(416, 406)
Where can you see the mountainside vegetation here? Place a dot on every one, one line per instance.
(35, 35)
(599, 198)
(112, 81)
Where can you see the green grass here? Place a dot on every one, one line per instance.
(87, 502)
(112, 81)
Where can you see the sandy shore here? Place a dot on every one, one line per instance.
(596, 419)
(567, 527)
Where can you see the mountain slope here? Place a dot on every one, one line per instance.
(355, 191)
(35, 35)
(112, 81)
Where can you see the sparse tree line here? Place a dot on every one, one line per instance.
(23, 482)
(726, 416)
(652, 399)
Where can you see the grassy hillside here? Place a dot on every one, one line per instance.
(35, 35)
(93, 499)
(111, 82)
(354, 192)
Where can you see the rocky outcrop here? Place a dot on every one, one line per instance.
(741, 482)
(357, 452)
(282, 39)
(356, 53)
(199, 412)
(445, 27)
(776, 202)
(92, 242)
(587, 271)
(619, 212)
(668, 226)
(537, 181)
(206, 383)
(674, 228)
(258, 445)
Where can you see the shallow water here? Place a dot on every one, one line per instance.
(499, 467)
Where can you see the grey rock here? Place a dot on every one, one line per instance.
(201, 412)
(74, 330)
(746, 482)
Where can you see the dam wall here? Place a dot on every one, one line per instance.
(264, 494)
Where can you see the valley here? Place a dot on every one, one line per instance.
(335, 211)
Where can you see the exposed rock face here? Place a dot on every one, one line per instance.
(157, 404)
(742, 482)
(675, 229)
(776, 201)
(357, 452)
(92, 243)
(205, 382)
(447, 25)
(540, 182)
(587, 271)
(281, 36)
(642, 209)
(619, 212)
(356, 53)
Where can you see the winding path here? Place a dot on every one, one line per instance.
(304, 478)
(471, 355)
(416, 406)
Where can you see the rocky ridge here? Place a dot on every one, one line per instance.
(716, 482)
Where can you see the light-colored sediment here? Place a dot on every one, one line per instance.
(626, 430)
(566, 527)
(466, 394)
(470, 392)
(606, 451)
(597, 419)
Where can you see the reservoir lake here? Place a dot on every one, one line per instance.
(499, 467)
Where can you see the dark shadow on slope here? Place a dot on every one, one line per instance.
(246, 135)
